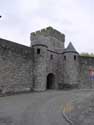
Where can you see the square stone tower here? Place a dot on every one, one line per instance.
(48, 46)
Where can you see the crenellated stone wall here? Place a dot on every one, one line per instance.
(46, 64)
(47, 32)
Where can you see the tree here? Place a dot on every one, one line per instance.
(87, 54)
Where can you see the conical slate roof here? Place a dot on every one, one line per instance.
(70, 48)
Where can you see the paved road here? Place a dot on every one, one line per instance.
(43, 108)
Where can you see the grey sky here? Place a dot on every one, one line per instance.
(75, 18)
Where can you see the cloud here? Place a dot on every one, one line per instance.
(73, 17)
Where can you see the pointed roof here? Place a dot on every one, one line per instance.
(70, 48)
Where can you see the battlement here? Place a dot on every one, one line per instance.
(44, 65)
(49, 31)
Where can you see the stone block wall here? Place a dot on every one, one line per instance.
(23, 68)
(51, 44)
(55, 66)
(40, 67)
(86, 67)
(49, 37)
(16, 62)
(71, 68)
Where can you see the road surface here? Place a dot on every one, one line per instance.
(43, 108)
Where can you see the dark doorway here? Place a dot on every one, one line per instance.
(50, 81)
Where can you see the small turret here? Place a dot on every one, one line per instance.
(39, 61)
(71, 66)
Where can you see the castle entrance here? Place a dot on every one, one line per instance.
(50, 81)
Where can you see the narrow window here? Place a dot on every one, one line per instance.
(38, 51)
(75, 57)
(64, 57)
(51, 57)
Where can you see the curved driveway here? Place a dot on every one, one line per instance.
(43, 108)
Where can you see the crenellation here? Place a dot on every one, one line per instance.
(49, 31)
(46, 64)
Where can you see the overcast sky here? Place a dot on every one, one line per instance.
(74, 18)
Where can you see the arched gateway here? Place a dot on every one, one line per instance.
(50, 81)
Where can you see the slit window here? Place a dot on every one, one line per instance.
(51, 57)
(38, 51)
(74, 57)
(64, 57)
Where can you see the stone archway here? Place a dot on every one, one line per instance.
(50, 81)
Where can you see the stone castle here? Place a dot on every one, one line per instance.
(47, 64)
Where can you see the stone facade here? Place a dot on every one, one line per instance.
(47, 64)
(86, 72)
(16, 64)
